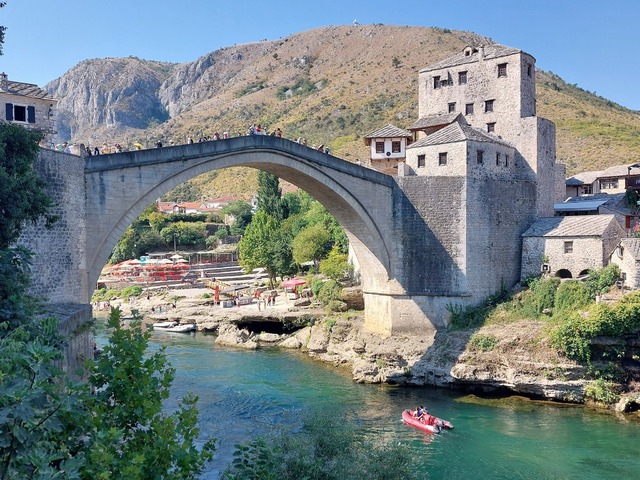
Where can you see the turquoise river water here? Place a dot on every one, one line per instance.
(246, 393)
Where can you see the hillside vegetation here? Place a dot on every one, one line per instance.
(330, 85)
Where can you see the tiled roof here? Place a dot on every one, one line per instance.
(434, 121)
(631, 245)
(587, 178)
(28, 90)
(572, 226)
(389, 131)
(490, 51)
(584, 178)
(616, 171)
(456, 133)
(610, 199)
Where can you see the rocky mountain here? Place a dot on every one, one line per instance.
(331, 85)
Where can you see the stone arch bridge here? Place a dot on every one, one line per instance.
(408, 234)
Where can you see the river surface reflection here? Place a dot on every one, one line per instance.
(246, 393)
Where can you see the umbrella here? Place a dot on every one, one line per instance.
(182, 260)
(293, 282)
(138, 145)
(165, 261)
(175, 257)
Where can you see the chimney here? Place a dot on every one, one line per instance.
(481, 53)
(4, 82)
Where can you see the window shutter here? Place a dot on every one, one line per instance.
(9, 112)
(31, 114)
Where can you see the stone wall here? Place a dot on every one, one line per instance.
(59, 255)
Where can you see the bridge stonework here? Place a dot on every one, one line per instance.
(423, 243)
(59, 260)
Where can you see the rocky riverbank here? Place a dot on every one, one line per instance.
(518, 359)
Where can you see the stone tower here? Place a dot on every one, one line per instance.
(493, 87)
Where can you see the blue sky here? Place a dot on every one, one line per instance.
(593, 44)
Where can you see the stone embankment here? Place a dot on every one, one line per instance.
(519, 360)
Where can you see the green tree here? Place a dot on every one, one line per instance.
(256, 249)
(22, 192)
(311, 244)
(269, 195)
(131, 435)
(185, 233)
(241, 211)
(336, 266)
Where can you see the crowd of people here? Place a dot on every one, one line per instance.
(254, 129)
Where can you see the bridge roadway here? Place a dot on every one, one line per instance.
(120, 186)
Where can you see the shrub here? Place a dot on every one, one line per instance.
(329, 292)
(602, 279)
(132, 291)
(602, 391)
(571, 296)
(328, 446)
(486, 343)
(544, 292)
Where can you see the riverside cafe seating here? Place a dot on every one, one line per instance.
(145, 271)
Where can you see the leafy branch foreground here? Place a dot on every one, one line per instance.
(112, 426)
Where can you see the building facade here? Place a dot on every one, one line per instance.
(28, 105)
(493, 87)
(568, 247)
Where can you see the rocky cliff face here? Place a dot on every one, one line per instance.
(116, 94)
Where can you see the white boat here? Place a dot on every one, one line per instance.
(165, 325)
(187, 327)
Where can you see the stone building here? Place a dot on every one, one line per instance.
(493, 87)
(28, 105)
(612, 180)
(626, 255)
(388, 148)
(484, 163)
(568, 247)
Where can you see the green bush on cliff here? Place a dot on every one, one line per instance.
(572, 296)
(602, 391)
(573, 334)
(486, 343)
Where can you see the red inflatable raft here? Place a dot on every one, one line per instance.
(428, 423)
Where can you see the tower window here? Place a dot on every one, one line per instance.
(442, 158)
(395, 146)
(379, 147)
(480, 157)
(421, 161)
(491, 127)
(529, 69)
(452, 107)
(488, 106)
(468, 109)
(462, 78)
(436, 82)
(498, 159)
(502, 70)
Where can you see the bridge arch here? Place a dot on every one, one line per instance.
(120, 186)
